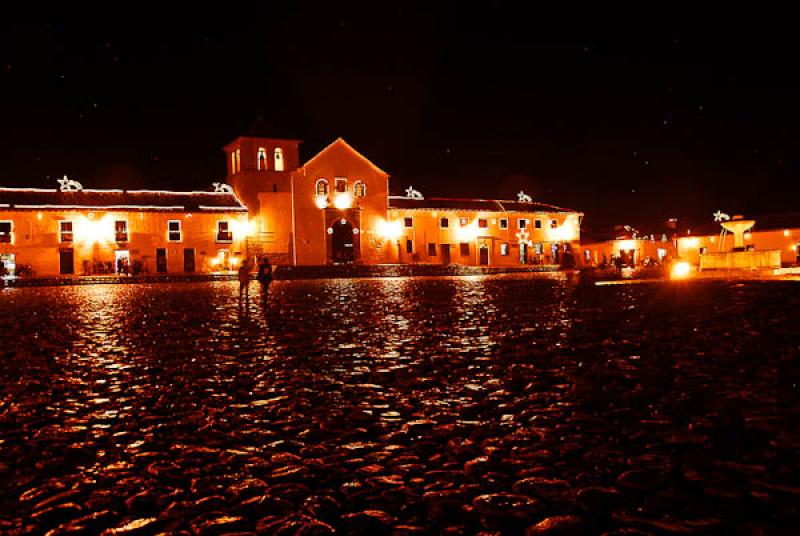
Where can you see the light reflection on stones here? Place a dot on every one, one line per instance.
(438, 404)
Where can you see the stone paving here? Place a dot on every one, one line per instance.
(505, 404)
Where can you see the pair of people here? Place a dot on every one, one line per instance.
(263, 275)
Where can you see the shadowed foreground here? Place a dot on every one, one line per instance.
(405, 405)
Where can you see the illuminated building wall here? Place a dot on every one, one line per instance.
(336, 208)
(484, 232)
(633, 251)
(341, 203)
(79, 232)
(786, 240)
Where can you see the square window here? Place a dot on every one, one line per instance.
(463, 222)
(224, 233)
(554, 224)
(538, 224)
(522, 223)
(504, 249)
(5, 232)
(65, 231)
(409, 246)
(431, 250)
(444, 223)
(464, 249)
(121, 231)
(341, 184)
(174, 231)
(504, 223)
(409, 222)
(483, 223)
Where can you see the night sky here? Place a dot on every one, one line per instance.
(631, 117)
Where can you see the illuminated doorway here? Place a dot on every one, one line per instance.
(523, 253)
(8, 264)
(122, 261)
(342, 242)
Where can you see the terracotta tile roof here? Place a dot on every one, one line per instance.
(129, 200)
(480, 205)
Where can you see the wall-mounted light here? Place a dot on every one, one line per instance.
(343, 201)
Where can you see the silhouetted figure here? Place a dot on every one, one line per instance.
(264, 275)
(244, 279)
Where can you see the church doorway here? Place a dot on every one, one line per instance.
(342, 242)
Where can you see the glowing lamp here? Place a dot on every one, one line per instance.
(390, 230)
(91, 231)
(343, 201)
(786, 232)
(468, 232)
(748, 236)
(214, 261)
(680, 270)
(234, 262)
(626, 245)
(321, 201)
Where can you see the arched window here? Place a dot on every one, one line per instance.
(359, 189)
(262, 159)
(322, 187)
(278, 159)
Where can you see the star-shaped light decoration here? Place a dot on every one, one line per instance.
(523, 237)
(412, 193)
(69, 185)
(720, 216)
(523, 197)
(221, 187)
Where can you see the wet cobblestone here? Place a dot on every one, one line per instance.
(510, 404)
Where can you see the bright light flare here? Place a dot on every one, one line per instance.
(626, 245)
(468, 232)
(680, 270)
(390, 230)
(343, 201)
(565, 232)
(321, 201)
(92, 231)
(243, 228)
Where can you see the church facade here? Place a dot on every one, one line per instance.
(336, 208)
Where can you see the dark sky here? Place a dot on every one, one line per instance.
(632, 117)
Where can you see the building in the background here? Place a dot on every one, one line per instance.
(484, 232)
(775, 233)
(336, 208)
(628, 246)
(47, 232)
(775, 237)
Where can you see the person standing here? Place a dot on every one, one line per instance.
(244, 279)
(264, 272)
